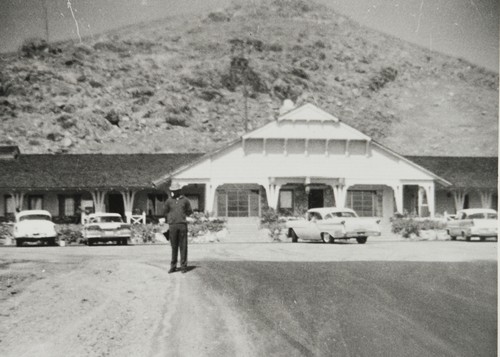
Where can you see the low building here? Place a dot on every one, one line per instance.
(306, 158)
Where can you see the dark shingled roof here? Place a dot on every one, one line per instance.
(88, 170)
(462, 172)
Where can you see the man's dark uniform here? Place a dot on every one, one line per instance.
(177, 208)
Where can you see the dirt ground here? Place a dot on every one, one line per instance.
(117, 300)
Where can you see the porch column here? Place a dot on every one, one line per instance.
(398, 196)
(128, 203)
(340, 195)
(459, 197)
(486, 198)
(430, 192)
(18, 199)
(276, 197)
(421, 192)
(210, 189)
(98, 198)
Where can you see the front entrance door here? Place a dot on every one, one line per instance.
(316, 198)
(115, 204)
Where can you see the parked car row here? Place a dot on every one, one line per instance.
(37, 226)
(327, 224)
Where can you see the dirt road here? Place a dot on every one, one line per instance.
(237, 300)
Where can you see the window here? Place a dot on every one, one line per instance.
(35, 202)
(68, 205)
(195, 201)
(9, 205)
(156, 204)
(286, 199)
(365, 203)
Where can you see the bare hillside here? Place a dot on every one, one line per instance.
(179, 85)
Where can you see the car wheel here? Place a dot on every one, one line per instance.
(90, 243)
(361, 240)
(467, 238)
(294, 236)
(327, 238)
(125, 241)
(52, 242)
(19, 242)
(482, 239)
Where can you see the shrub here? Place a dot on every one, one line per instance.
(408, 226)
(386, 75)
(203, 224)
(271, 220)
(70, 233)
(145, 232)
(33, 47)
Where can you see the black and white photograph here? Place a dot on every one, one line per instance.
(207, 178)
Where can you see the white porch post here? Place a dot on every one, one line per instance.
(430, 192)
(98, 197)
(398, 196)
(276, 197)
(459, 196)
(128, 202)
(340, 195)
(210, 189)
(486, 198)
(421, 191)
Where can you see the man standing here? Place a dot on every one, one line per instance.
(177, 208)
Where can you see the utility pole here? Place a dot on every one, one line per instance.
(44, 5)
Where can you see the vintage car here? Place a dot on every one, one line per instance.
(331, 223)
(34, 226)
(474, 222)
(106, 227)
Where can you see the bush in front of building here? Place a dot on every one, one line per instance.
(408, 226)
(202, 224)
(274, 222)
(70, 233)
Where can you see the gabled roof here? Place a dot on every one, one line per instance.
(307, 122)
(79, 171)
(462, 172)
(308, 112)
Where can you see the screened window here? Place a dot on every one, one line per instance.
(9, 205)
(156, 204)
(35, 202)
(364, 203)
(286, 199)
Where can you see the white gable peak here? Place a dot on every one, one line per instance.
(307, 112)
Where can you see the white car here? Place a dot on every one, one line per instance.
(474, 222)
(34, 226)
(106, 227)
(331, 223)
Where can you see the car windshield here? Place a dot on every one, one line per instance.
(35, 217)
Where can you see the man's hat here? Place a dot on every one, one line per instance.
(175, 187)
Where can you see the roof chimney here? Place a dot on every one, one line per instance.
(287, 106)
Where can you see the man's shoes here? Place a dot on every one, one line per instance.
(184, 270)
(172, 270)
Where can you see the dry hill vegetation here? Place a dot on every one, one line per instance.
(179, 85)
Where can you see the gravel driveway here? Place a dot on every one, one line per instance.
(383, 298)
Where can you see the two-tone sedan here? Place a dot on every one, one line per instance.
(34, 226)
(474, 222)
(331, 223)
(106, 227)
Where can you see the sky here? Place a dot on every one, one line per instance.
(462, 28)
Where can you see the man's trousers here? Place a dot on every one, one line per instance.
(178, 241)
